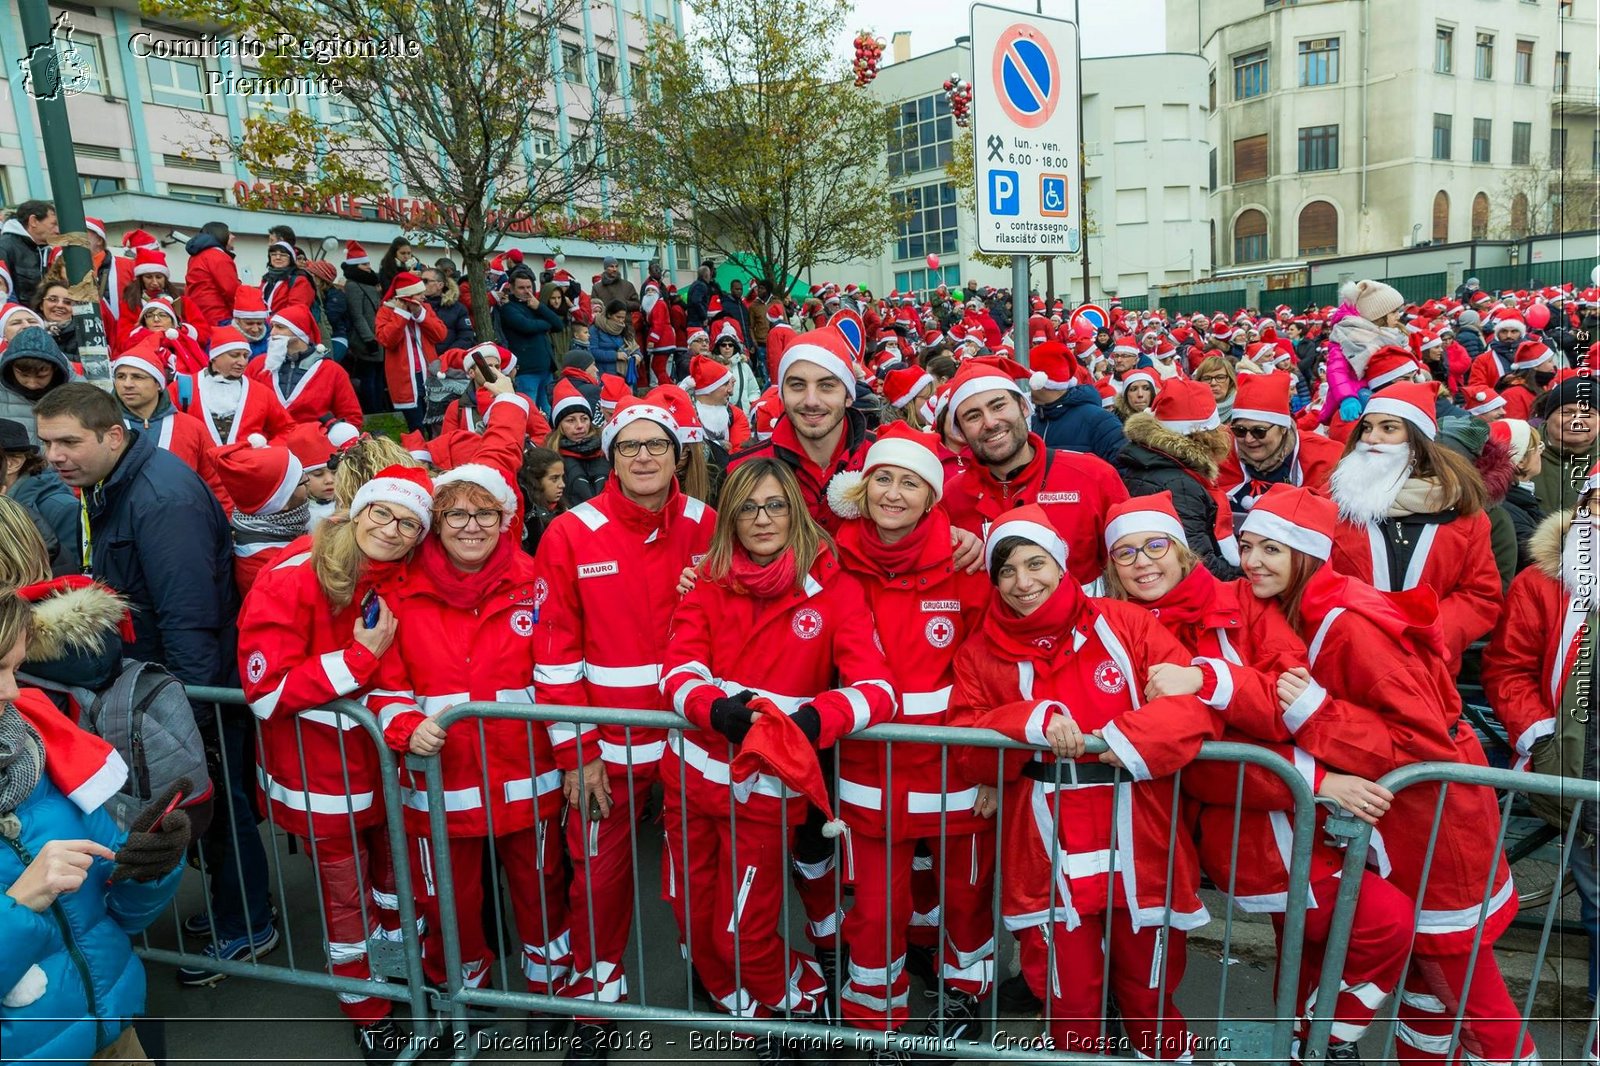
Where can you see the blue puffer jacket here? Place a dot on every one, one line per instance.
(1078, 423)
(94, 984)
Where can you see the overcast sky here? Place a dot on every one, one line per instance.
(1109, 27)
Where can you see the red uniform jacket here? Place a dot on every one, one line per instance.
(408, 341)
(606, 586)
(924, 615)
(779, 337)
(325, 388)
(1390, 700)
(1535, 646)
(538, 427)
(1487, 370)
(1452, 558)
(1310, 467)
(209, 285)
(259, 410)
(185, 437)
(1099, 668)
(299, 290)
(498, 443)
(295, 654)
(813, 645)
(1075, 490)
(660, 335)
(680, 321)
(784, 445)
(450, 649)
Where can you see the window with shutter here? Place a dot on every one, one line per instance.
(1250, 237)
(1319, 229)
(1480, 217)
(1441, 216)
(1250, 159)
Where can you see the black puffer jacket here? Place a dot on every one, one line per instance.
(1523, 507)
(586, 469)
(457, 324)
(1159, 460)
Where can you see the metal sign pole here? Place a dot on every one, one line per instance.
(1019, 308)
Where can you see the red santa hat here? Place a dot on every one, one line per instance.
(1107, 388)
(285, 247)
(86, 769)
(697, 333)
(776, 747)
(95, 226)
(1390, 364)
(1484, 401)
(1144, 373)
(1054, 367)
(1512, 320)
(775, 311)
(1408, 400)
(684, 416)
(137, 239)
(247, 303)
(405, 487)
(259, 477)
(297, 319)
(1185, 406)
(150, 261)
(825, 347)
(765, 412)
(354, 254)
(1264, 398)
(1032, 525)
(489, 480)
(976, 378)
(310, 445)
(158, 303)
(613, 389)
(226, 339)
(148, 356)
(901, 386)
(631, 409)
(405, 283)
(708, 374)
(566, 400)
(1294, 516)
(910, 449)
(1529, 354)
(1155, 513)
(507, 358)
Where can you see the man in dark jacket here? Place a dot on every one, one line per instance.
(444, 298)
(613, 286)
(1469, 334)
(364, 356)
(1066, 412)
(525, 325)
(30, 366)
(25, 246)
(699, 296)
(158, 536)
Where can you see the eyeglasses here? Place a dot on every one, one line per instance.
(486, 519)
(382, 516)
(1214, 379)
(655, 446)
(775, 508)
(1253, 432)
(1152, 549)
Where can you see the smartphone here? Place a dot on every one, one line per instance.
(177, 801)
(485, 371)
(369, 608)
(595, 812)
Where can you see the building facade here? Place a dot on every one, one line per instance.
(1145, 179)
(1344, 127)
(143, 126)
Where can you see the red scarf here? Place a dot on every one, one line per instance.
(1042, 635)
(1190, 602)
(862, 547)
(750, 578)
(461, 587)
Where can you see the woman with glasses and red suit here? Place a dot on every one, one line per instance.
(898, 545)
(306, 639)
(1379, 695)
(467, 613)
(1048, 666)
(774, 616)
(1241, 646)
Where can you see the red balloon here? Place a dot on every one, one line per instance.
(933, 261)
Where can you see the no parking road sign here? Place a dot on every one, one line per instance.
(1025, 122)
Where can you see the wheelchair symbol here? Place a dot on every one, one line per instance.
(1053, 195)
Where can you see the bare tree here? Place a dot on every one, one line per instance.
(1543, 198)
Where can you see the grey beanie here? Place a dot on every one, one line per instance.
(1375, 300)
(35, 342)
(1470, 318)
(578, 359)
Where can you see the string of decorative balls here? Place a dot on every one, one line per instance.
(869, 52)
(958, 91)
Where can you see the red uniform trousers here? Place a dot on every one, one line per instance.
(600, 895)
(812, 864)
(718, 882)
(356, 878)
(1432, 996)
(1380, 936)
(876, 928)
(534, 868)
(659, 363)
(923, 929)
(1074, 1004)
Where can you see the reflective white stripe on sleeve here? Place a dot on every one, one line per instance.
(680, 698)
(619, 754)
(624, 676)
(1132, 761)
(888, 690)
(339, 675)
(313, 802)
(1545, 727)
(1034, 730)
(514, 695)
(432, 705)
(1459, 920)
(858, 795)
(264, 707)
(715, 770)
(558, 673)
(455, 799)
(567, 732)
(330, 718)
(918, 704)
(1223, 695)
(525, 788)
(858, 708)
(1304, 706)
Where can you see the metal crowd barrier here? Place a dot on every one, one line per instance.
(397, 968)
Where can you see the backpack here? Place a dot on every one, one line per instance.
(146, 716)
(437, 393)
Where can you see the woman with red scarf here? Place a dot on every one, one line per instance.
(898, 544)
(466, 617)
(1045, 647)
(1242, 645)
(1379, 696)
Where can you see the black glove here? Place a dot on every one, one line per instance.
(150, 855)
(731, 717)
(809, 721)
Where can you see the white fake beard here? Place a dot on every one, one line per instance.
(277, 353)
(715, 418)
(1580, 559)
(1368, 480)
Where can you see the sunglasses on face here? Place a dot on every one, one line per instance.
(1253, 432)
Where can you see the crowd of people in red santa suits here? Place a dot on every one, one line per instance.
(894, 531)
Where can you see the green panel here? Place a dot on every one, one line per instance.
(1495, 279)
(744, 267)
(1419, 288)
(1301, 296)
(1227, 302)
(1136, 303)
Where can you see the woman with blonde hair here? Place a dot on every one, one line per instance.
(1216, 372)
(313, 630)
(774, 629)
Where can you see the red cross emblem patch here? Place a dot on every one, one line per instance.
(806, 623)
(940, 631)
(1108, 677)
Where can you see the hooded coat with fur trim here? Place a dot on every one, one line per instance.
(74, 639)
(1158, 460)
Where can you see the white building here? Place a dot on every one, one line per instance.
(1351, 126)
(1145, 178)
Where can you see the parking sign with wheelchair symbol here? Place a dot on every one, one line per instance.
(1053, 196)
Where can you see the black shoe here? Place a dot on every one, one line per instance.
(828, 959)
(958, 1020)
(1343, 1051)
(1016, 999)
(591, 1043)
(381, 1042)
(768, 1050)
(923, 963)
